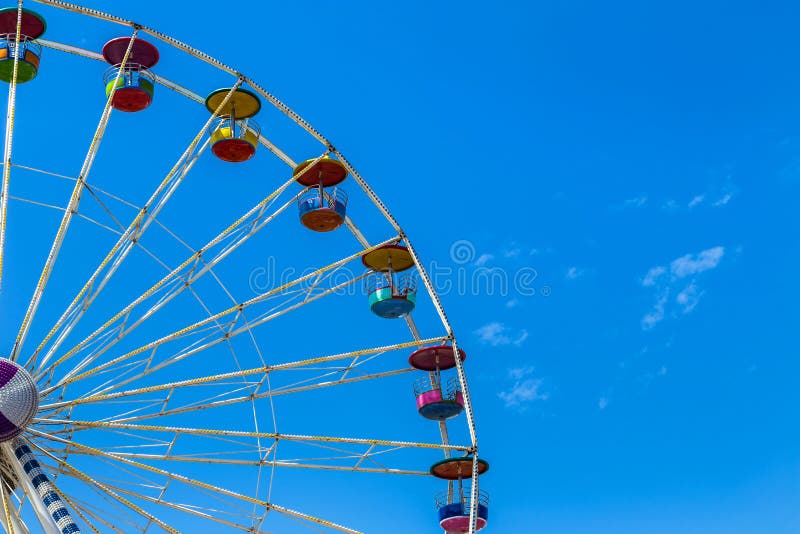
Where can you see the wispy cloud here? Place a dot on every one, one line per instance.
(631, 203)
(521, 337)
(512, 251)
(524, 390)
(686, 265)
(483, 259)
(670, 279)
(722, 201)
(573, 273)
(653, 275)
(602, 403)
(656, 314)
(696, 201)
(689, 264)
(497, 334)
(715, 197)
(518, 373)
(670, 205)
(646, 379)
(636, 202)
(689, 297)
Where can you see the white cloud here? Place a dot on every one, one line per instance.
(518, 373)
(513, 303)
(511, 250)
(631, 203)
(573, 273)
(716, 196)
(602, 403)
(520, 339)
(483, 259)
(537, 251)
(497, 334)
(653, 275)
(636, 202)
(697, 200)
(662, 371)
(492, 334)
(689, 297)
(689, 264)
(722, 194)
(524, 390)
(656, 315)
(669, 205)
(724, 200)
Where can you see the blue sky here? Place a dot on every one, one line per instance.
(632, 167)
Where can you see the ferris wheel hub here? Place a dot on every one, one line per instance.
(19, 399)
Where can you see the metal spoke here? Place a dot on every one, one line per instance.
(9, 139)
(83, 425)
(122, 247)
(72, 207)
(209, 514)
(234, 311)
(188, 481)
(183, 276)
(77, 473)
(217, 337)
(227, 376)
(11, 521)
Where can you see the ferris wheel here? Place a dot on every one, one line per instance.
(209, 324)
